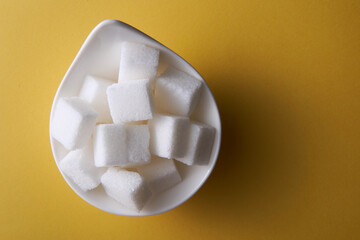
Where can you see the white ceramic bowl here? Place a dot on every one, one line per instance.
(100, 56)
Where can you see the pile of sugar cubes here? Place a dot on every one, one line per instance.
(126, 135)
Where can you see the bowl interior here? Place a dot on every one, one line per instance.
(100, 56)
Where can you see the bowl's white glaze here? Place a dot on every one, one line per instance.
(100, 56)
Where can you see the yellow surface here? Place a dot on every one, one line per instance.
(285, 74)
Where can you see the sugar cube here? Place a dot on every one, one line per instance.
(73, 122)
(79, 166)
(130, 101)
(126, 187)
(168, 135)
(160, 175)
(110, 148)
(93, 91)
(121, 145)
(138, 61)
(200, 142)
(176, 92)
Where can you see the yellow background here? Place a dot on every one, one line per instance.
(285, 74)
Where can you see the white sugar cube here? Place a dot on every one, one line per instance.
(93, 91)
(130, 101)
(121, 145)
(138, 138)
(200, 143)
(110, 148)
(79, 166)
(176, 92)
(168, 135)
(73, 122)
(160, 175)
(138, 61)
(126, 187)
